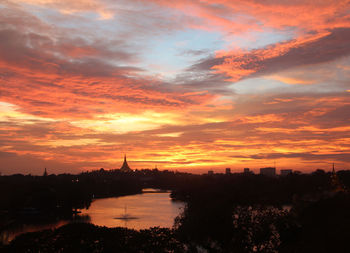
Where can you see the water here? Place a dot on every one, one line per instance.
(145, 210)
(19, 228)
(149, 209)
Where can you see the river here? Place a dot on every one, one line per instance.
(149, 209)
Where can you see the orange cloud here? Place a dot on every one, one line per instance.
(291, 80)
(254, 139)
(316, 28)
(239, 16)
(69, 7)
(72, 101)
(281, 56)
(82, 88)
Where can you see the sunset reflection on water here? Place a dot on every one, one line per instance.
(149, 209)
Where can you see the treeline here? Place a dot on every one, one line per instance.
(21, 194)
(224, 213)
(249, 189)
(253, 213)
(69, 192)
(55, 194)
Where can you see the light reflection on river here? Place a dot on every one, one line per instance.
(150, 209)
(8, 235)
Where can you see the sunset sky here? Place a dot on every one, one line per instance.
(181, 85)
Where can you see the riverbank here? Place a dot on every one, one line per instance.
(152, 207)
(320, 226)
(83, 237)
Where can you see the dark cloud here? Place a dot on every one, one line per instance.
(37, 52)
(193, 52)
(207, 63)
(338, 117)
(340, 156)
(75, 86)
(325, 49)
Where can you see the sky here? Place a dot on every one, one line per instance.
(178, 85)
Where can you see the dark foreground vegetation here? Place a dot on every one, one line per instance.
(224, 213)
(84, 237)
(320, 227)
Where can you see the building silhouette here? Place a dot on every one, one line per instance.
(286, 172)
(228, 171)
(125, 167)
(45, 173)
(246, 171)
(268, 171)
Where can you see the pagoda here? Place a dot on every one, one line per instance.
(125, 167)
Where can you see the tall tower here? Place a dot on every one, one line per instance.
(45, 173)
(125, 167)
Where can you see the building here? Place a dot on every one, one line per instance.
(337, 186)
(210, 172)
(246, 171)
(286, 172)
(228, 171)
(125, 167)
(268, 171)
(45, 173)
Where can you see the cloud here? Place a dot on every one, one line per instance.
(280, 56)
(62, 87)
(342, 157)
(293, 131)
(69, 7)
(76, 91)
(240, 16)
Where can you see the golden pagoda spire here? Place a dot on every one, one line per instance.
(125, 167)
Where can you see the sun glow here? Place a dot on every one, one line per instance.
(197, 84)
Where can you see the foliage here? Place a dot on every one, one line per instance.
(259, 229)
(224, 213)
(82, 237)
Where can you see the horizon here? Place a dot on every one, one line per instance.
(189, 86)
(200, 171)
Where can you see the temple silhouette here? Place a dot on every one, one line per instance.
(125, 167)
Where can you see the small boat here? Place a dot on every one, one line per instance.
(126, 216)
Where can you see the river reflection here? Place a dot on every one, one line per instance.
(149, 209)
(34, 224)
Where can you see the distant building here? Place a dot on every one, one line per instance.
(337, 186)
(286, 172)
(246, 171)
(268, 171)
(210, 172)
(228, 171)
(45, 173)
(125, 167)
